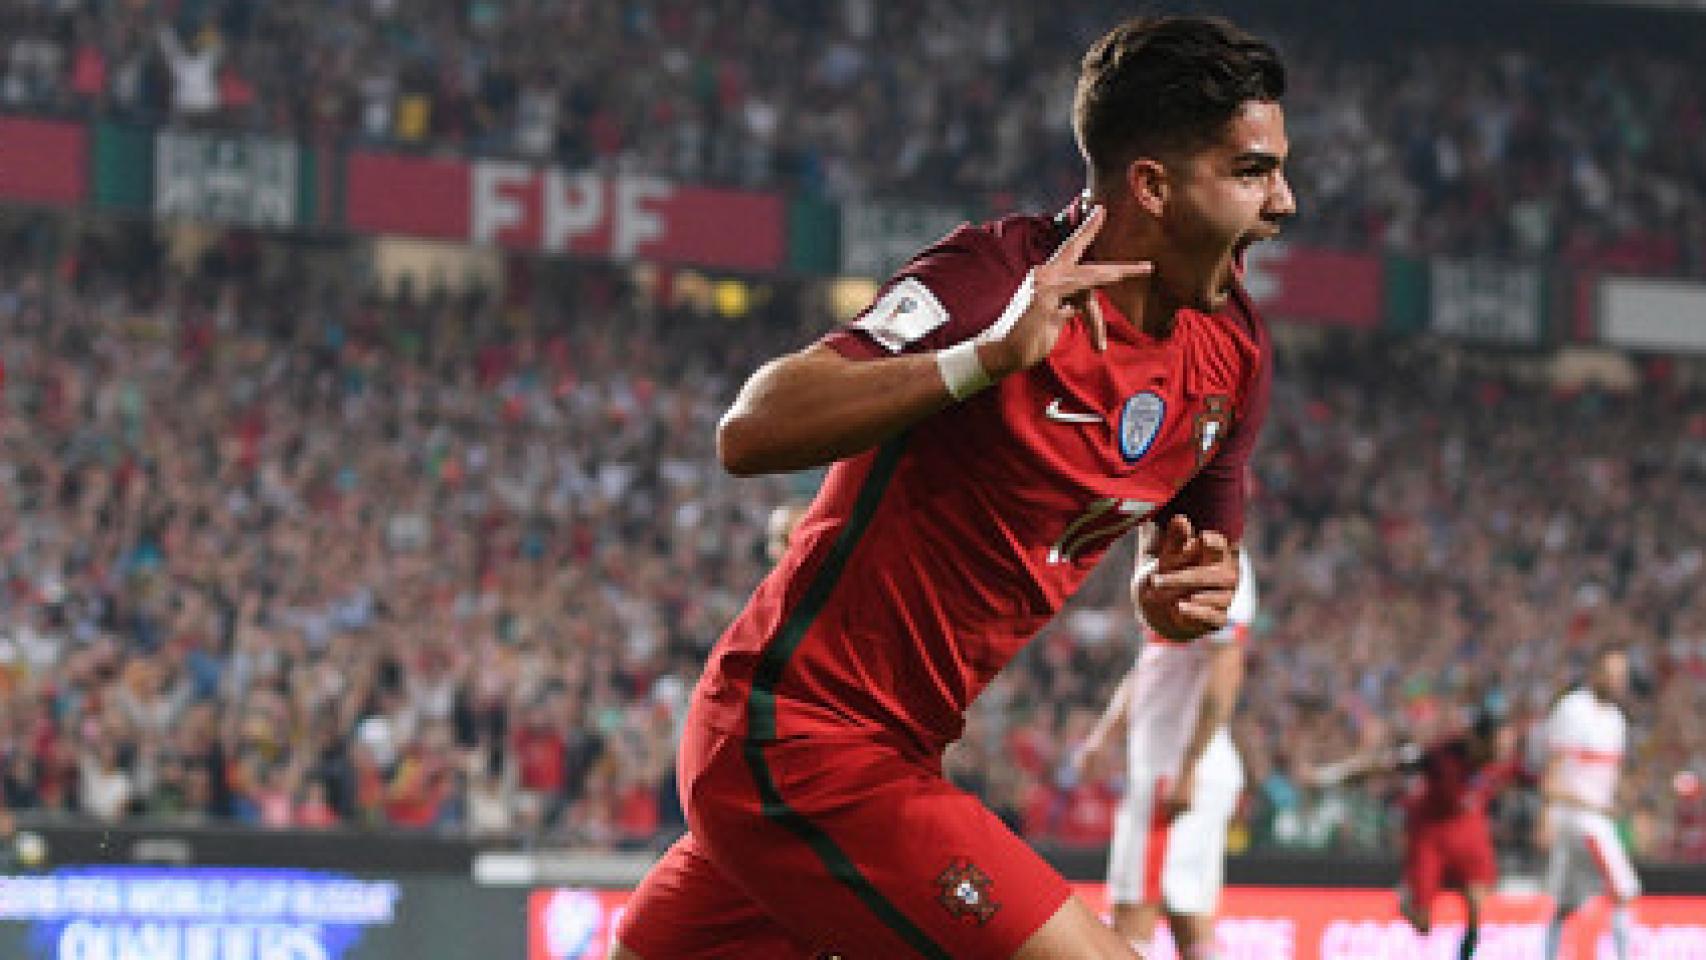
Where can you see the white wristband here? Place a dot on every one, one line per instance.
(961, 370)
(1143, 570)
(1145, 566)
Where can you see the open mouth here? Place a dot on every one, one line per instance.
(1249, 240)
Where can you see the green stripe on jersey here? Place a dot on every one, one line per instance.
(761, 707)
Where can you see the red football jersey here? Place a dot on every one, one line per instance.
(924, 565)
(1454, 787)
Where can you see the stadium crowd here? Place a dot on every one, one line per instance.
(1426, 554)
(1436, 132)
(282, 550)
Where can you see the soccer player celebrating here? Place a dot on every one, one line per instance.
(1183, 777)
(1018, 397)
(1585, 739)
(1447, 838)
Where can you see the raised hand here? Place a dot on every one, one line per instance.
(1191, 587)
(1051, 296)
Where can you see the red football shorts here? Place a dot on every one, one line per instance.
(805, 849)
(1454, 854)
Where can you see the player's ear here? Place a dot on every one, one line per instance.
(1146, 178)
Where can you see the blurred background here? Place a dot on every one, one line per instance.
(361, 359)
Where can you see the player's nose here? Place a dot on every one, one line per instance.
(1281, 202)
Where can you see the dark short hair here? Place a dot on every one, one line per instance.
(1158, 85)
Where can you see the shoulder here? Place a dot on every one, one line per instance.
(956, 287)
(1612, 712)
(1244, 343)
(1571, 706)
(990, 251)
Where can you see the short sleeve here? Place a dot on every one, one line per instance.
(949, 293)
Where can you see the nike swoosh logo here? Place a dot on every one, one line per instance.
(1054, 412)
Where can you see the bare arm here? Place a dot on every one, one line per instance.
(1354, 767)
(1545, 830)
(1372, 759)
(1113, 718)
(815, 406)
(1551, 785)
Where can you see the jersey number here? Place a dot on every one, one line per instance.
(1103, 521)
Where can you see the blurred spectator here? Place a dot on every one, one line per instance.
(195, 73)
(283, 550)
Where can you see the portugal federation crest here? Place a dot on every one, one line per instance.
(1212, 425)
(964, 891)
(1140, 422)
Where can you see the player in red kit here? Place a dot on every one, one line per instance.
(1019, 396)
(1448, 840)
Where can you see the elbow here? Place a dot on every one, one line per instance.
(746, 434)
(738, 446)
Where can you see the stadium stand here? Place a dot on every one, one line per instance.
(301, 555)
(287, 551)
(1415, 132)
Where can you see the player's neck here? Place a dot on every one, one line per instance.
(1140, 300)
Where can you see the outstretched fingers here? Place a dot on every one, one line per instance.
(1088, 275)
(1072, 251)
(1098, 324)
(1070, 274)
(1070, 284)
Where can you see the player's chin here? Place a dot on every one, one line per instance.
(1215, 296)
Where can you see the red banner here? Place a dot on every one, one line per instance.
(43, 161)
(1303, 923)
(1306, 285)
(1271, 923)
(558, 211)
(417, 197)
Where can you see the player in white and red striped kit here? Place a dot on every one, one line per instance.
(1586, 736)
(1183, 777)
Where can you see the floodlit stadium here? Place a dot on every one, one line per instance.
(393, 440)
